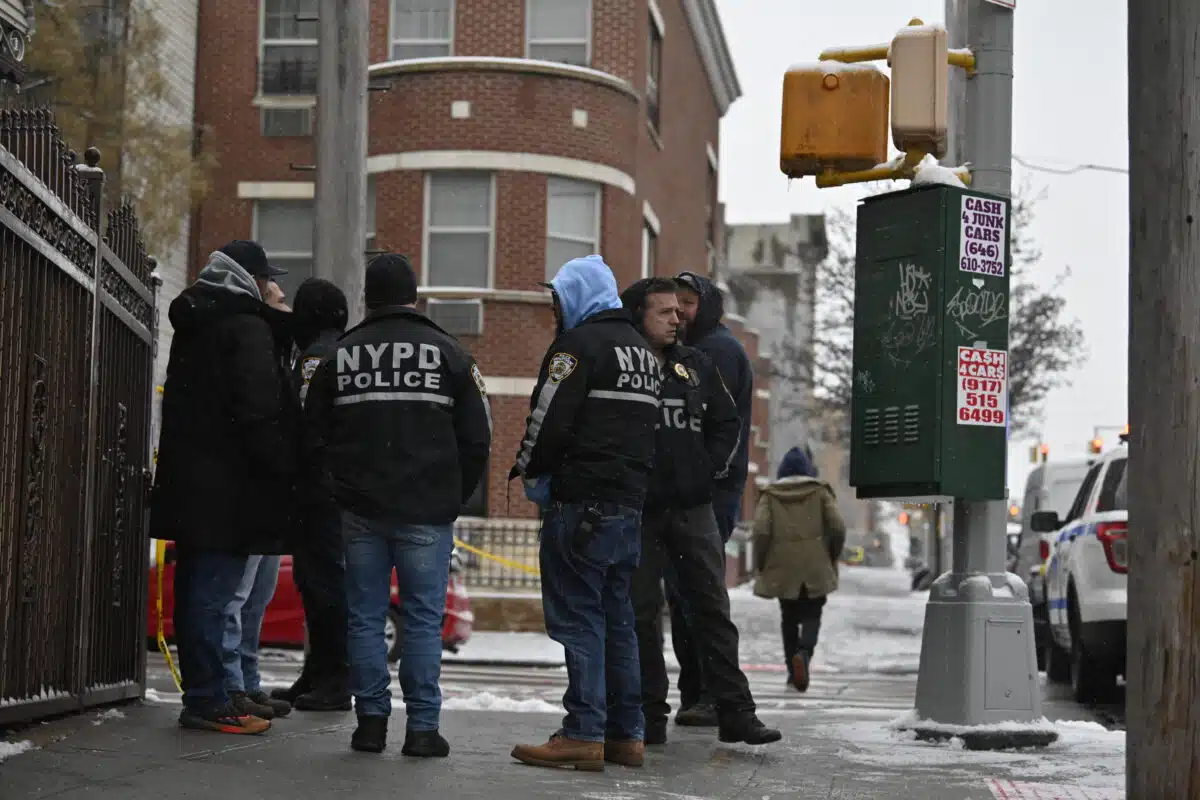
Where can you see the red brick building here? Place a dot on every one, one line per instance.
(514, 135)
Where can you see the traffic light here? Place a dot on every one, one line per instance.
(835, 117)
(920, 80)
(903, 517)
(1096, 445)
(1039, 452)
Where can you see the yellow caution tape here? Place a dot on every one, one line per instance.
(160, 557)
(498, 559)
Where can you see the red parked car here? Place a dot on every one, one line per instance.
(283, 625)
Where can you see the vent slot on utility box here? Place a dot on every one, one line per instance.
(457, 317)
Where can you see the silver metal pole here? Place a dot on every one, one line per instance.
(341, 179)
(978, 665)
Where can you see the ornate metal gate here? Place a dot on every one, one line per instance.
(77, 333)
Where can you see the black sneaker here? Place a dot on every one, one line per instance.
(425, 744)
(747, 728)
(370, 736)
(656, 731)
(323, 700)
(701, 715)
(223, 720)
(281, 707)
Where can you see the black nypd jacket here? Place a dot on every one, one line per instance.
(399, 419)
(592, 414)
(698, 432)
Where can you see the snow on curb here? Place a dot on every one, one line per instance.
(911, 720)
(110, 714)
(486, 701)
(10, 749)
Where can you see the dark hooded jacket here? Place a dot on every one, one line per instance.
(227, 449)
(592, 414)
(696, 437)
(710, 336)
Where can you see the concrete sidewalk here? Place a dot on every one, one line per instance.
(138, 753)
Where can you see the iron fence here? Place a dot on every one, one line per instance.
(77, 329)
(515, 541)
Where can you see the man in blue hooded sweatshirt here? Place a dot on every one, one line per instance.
(702, 308)
(585, 459)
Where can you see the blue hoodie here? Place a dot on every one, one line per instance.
(585, 287)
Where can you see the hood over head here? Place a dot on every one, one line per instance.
(585, 287)
(319, 306)
(796, 462)
(711, 308)
(224, 287)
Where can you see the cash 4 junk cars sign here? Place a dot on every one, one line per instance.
(982, 387)
(984, 229)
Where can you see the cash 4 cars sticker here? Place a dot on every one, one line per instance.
(984, 234)
(982, 387)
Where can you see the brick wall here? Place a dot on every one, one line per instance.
(510, 112)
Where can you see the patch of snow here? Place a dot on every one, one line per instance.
(279, 654)
(911, 720)
(110, 714)
(155, 696)
(834, 66)
(486, 701)
(509, 647)
(929, 172)
(10, 749)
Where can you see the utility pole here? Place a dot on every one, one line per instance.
(1163, 698)
(341, 179)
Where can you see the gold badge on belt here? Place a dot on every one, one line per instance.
(681, 371)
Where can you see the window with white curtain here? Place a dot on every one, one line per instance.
(288, 62)
(559, 30)
(572, 221)
(422, 28)
(285, 230)
(459, 229)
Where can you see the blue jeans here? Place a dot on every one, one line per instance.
(586, 583)
(243, 624)
(727, 508)
(421, 556)
(205, 585)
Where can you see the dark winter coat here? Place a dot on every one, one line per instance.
(226, 466)
(399, 419)
(592, 414)
(710, 336)
(697, 435)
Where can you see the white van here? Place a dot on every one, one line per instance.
(1050, 487)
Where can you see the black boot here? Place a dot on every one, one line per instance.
(302, 686)
(425, 744)
(656, 731)
(370, 736)
(327, 696)
(701, 715)
(746, 727)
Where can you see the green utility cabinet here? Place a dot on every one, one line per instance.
(930, 381)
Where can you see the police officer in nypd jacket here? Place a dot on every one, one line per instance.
(585, 459)
(402, 429)
(695, 444)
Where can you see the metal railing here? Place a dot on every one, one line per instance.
(512, 540)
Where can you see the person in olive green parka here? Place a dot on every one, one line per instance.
(798, 537)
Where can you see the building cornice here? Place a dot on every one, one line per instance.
(714, 51)
(526, 66)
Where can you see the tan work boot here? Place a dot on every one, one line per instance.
(625, 753)
(561, 751)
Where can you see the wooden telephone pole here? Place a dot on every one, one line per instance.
(1163, 698)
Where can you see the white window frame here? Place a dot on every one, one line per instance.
(647, 233)
(529, 42)
(262, 48)
(393, 41)
(274, 255)
(598, 191)
(426, 228)
(651, 78)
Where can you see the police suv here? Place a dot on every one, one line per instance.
(1086, 577)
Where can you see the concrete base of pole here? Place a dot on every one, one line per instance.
(978, 673)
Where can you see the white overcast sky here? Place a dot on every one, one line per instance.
(1069, 108)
